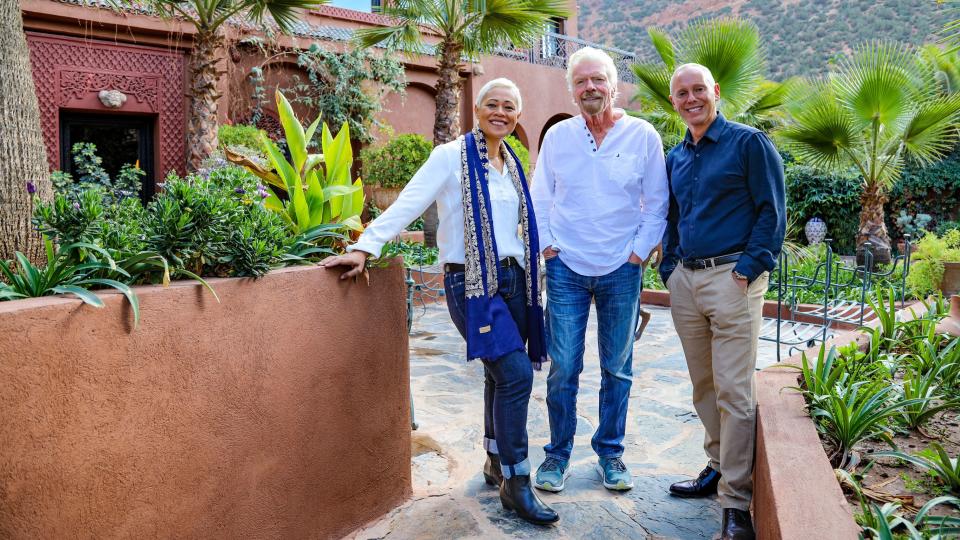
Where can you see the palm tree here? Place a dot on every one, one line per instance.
(731, 50)
(466, 28)
(23, 155)
(883, 105)
(208, 16)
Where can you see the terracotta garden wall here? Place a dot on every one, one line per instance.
(281, 412)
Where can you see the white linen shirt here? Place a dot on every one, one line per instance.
(439, 180)
(597, 205)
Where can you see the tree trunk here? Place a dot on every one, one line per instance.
(202, 122)
(23, 154)
(872, 226)
(446, 123)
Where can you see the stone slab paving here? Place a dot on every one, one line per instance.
(663, 445)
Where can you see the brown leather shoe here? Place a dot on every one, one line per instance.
(703, 486)
(737, 525)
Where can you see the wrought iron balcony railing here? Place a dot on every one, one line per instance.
(555, 49)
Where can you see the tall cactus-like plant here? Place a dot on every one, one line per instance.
(317, 188)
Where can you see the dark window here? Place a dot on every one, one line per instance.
(120, 139)
(376, 6)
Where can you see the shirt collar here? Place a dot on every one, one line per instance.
(713, 132)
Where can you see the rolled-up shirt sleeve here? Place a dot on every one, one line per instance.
(766, 184)
(422, 190)
(655, 195)
(541, 193)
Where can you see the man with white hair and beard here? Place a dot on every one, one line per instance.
(601, 199)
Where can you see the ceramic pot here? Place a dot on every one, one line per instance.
(951, 324)
(815, 230)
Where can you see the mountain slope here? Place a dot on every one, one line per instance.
(801, 36)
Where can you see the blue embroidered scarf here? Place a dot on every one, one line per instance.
(491, 330)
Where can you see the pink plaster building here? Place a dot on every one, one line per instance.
(78, 50)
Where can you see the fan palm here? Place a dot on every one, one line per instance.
(209, 16)
(882, 106)
(732, 51)
(466, 28)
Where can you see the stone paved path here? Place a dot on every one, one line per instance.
(663, 445)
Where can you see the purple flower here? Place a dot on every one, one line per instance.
(262, 192)
(240, 191)
(76, 206)
(31, 188)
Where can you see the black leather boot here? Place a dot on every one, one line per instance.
(517, 495)
(703, 486)
(737, 525)
(491, 470)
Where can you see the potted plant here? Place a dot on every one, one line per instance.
(936, 264)
(388, 168)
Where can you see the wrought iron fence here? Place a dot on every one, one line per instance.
(555, 49)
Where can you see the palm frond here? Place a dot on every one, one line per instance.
(932, 130)
(766, 112)
(664, 47)
(405, 34)
(879, 82)
(284, 12)
(516, 22)
(821, 133)
(653, 84)
(731, 49)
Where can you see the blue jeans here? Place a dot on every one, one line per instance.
(508, 380)
(569, 296)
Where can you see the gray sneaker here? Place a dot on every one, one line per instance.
(615, 474)
(552, 475)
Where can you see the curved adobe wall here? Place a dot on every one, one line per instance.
(282, 411)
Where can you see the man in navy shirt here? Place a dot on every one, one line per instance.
(724, 232)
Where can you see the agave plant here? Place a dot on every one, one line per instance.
(941, 527)
(886, 311)
(939, 464)
(731, 49)
(62, 275)
(821, 376)
(846, 415)
(317, 188)
(923, 386)
(882, 106)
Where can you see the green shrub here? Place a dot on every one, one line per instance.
(88, 166)
(240, 135)
(212, 230)
(926, 268)
(394, 163)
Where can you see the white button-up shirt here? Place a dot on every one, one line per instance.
(597, 205)
(439, 180)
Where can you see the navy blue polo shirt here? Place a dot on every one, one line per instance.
(726, 196)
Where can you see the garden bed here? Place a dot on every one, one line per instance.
(794, 478)
(281, 411)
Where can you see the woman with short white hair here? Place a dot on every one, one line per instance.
(489, 251)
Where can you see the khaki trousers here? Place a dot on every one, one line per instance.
(719, 325)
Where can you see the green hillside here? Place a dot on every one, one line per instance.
(801, 36)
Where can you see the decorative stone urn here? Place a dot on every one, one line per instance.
(951, 324)
(815, 230)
